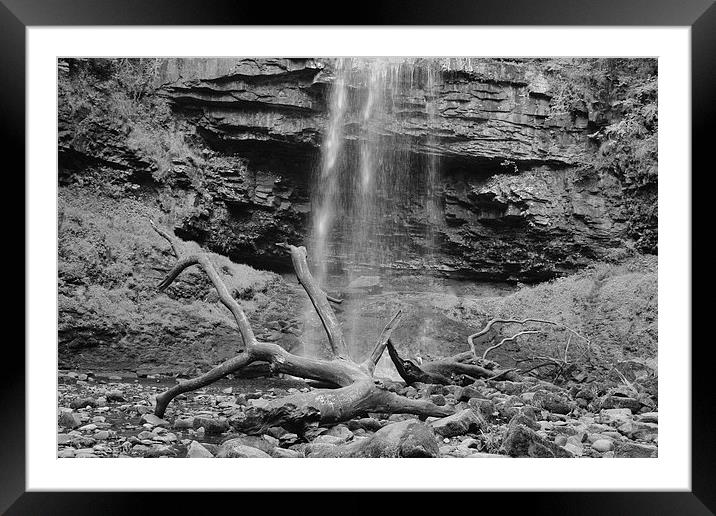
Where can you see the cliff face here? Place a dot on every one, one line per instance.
(520, 197)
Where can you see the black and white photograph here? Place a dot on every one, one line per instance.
(357, 257)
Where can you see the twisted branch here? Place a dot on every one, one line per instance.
(490, 324)
(507, 339)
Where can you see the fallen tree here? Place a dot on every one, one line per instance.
(357, 392)
(466, 367)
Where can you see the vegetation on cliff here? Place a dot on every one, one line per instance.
(624, 93)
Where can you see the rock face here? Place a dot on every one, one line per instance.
(520, 199)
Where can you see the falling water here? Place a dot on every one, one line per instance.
(378, 170)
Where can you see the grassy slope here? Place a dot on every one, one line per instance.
(614, 305)
(109, 262)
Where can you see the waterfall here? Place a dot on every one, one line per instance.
(375, 198)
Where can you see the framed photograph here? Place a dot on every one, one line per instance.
(361, 254)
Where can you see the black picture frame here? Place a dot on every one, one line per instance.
(700, 15)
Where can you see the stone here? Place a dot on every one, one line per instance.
(253, 441)
(277, 431)
(283, 453)
(524, 419)
(234, 448)
(370, 424)
(407, 439)
(115, 395)
(152, 420)
(509, 387)
(83, 403)
(66, 453)
(69, 420)
(560, 440)
(341, 431)
(634, 450)
(458, 424)
(88, 428)
(183, 423)
(615, 416)
(438, 399)
(211, 426)
(615, 402)
(648, 417)
(639, 430)
(270, 439)
(522, 441)
(485, 408)
(196, 450)
(574, 449)
(288, 439)
(328, 439)
(467, 393)
(603, 445)
(552, 402)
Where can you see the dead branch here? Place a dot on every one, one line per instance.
(507, 339)
(166, 236)
(566, 349)
(299, 257)
(412, 373)
(227, 300)
(332, 299)
(491, 323)
(372, 360)
(501, 374)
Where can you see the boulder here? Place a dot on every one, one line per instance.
(69, 420)
(283, 453)
(196, 450)
(553, 402)
(459, 423)
(634, 450)
(408, 439)
(234, 448)
(522, 441)
(639, 430)
(615, 417)
(370, 424)
(253, 441)
(613, 401)
(603, 445)
(82, 403)
(212, 426)
(153, 420)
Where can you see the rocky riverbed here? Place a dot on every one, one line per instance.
(109, 414)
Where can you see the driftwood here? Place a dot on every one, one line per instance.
(357, 391)
(460, 369)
